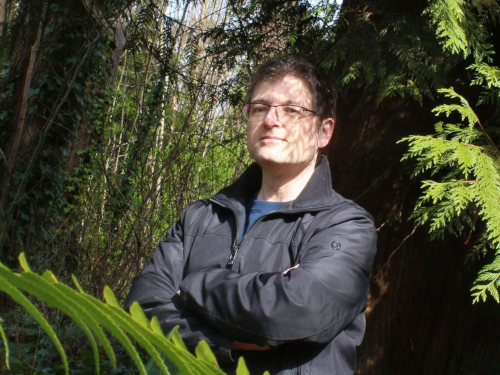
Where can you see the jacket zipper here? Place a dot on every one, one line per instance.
(234, 251)
(235, 248)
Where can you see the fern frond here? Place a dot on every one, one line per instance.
(91, 314)
(11, 289)
(242, 368)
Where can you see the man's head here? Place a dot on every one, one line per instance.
(322, 91)
(290, 114)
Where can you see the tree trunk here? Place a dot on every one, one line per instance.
(55, 72)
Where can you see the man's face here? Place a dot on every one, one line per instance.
(271, 142)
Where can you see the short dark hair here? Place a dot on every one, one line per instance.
(324, 95)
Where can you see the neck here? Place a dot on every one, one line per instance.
(282, 183)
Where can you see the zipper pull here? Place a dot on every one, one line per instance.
(230, 262)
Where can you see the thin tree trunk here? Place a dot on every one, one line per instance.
(12, 151)
(3, 15)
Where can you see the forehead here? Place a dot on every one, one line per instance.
(286, 89)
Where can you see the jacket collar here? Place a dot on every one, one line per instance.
(316, 196)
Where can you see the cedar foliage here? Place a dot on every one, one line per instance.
(463, 156)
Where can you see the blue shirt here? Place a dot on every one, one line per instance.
(255, 209)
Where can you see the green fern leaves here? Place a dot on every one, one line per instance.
(95, 317)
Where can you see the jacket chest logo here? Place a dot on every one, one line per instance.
(336, 245)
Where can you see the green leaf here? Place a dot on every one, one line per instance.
(204, 353)
(155, 325)
(242, 367)
(46, 289)
(90, 314)
(24, 263)
(176, 338)
(77, 284)
(22, 300)
(5, 344)
(138, 314)
(110, 297)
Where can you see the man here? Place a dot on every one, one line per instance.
(275, 267)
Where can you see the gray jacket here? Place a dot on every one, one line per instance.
(313, 317)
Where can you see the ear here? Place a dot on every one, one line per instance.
(325, 132)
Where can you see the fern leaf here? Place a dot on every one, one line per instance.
(149, 340)
(155, 325)
(22, 300)
(90, 313)
(110, 297)
(69, 301)
(242, 367)
(48, 289)
(204, 353)
(105, 318)
(138, 314)
(42, 287)
(5, 344)
(87, 327)
(176, 338)
(96, 328)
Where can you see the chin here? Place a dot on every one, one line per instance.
(269, 157)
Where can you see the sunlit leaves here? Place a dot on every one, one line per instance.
(460, 29)
(94, 316)
(467, 166)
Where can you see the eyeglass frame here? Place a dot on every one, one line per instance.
(304, 109)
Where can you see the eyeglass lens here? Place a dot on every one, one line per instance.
(285, 113)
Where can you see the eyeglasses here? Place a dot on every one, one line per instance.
(286, 113)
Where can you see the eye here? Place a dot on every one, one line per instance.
(257, 109)
(291, 110)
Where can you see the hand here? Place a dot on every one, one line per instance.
(291, 268)
(243, 346)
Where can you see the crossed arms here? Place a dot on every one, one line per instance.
(312, 303)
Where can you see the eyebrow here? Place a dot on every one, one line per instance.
(287, 102)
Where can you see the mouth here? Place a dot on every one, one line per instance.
(271, 138)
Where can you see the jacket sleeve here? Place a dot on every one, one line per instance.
(155, 290)
(312, 303)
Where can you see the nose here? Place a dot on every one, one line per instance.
(271, 118)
